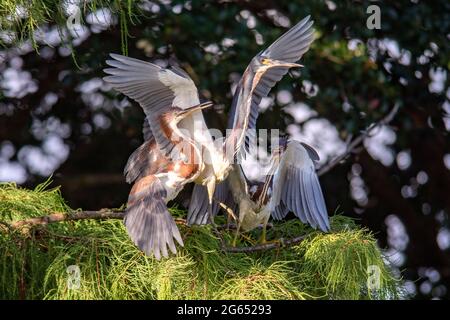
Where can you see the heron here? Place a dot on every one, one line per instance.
(291, 185)
(177, 150)
(263, 72)
(178, 147)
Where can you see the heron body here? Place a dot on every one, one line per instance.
(253, 206)
(291, 185)
(178, 149)
(251, 197)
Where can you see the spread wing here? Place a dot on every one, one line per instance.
(155, 88)
(296, 187)
(146, 130)
(290, 47)
(148, 222)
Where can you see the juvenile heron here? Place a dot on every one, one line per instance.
(263, 72)
(291, 185)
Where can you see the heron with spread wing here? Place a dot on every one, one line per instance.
(178, 149)
(263, 72)
(291, 185)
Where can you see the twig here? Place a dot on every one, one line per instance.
(267, 246)
(357, 141)
(72, 216)
(75, 215)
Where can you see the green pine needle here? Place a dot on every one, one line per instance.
(34, 264)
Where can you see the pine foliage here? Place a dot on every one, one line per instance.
(34, 262)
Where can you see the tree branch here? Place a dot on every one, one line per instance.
(357, 141)
(267, 246)
(71, 216)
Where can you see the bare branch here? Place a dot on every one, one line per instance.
(351, 147)
(73, 216)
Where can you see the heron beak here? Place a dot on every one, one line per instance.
(281, 148)
(280, 63)
(188, 111)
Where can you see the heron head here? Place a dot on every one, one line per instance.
(268, 63)
(278, 149)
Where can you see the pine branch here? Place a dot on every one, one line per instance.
(267, 246)
(73, 216)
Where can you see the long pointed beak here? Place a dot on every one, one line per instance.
(280, 63)
(188, 111)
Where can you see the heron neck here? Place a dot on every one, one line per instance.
(241, 107)
(268, 181)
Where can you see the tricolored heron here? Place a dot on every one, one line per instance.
(160, 167)
(291, 185)
(178, 149)
(263, 72)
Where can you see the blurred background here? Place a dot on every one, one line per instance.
(59, 119)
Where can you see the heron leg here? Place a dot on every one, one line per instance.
(236, 234)
(264, 231)
(263, 234)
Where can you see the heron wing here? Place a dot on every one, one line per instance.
(293, 44)
(296, 188)
(238, 182)
(138, 163)
(145, 160)
(290, 47)
(146, 130)
(155, 88)
(147, 220)
(198, 206)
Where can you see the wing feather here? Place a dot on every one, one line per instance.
(300, 211)
(297, 188)
(155, 88)
(198, 207)
(290, 47)
(148, 222)
(310, 210)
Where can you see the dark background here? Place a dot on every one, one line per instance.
(58, 118)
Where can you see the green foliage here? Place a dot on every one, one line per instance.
(34, 262)
(18, 203)
(21, 19)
